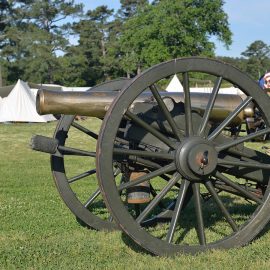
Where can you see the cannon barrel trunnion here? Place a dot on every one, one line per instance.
(177, 172)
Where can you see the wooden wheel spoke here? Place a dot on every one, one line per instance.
(199, 214)
(169, 168)
(166, 112)
(75, 152)
(144, 162)
(251, 157)
(242, 140)
(139, 153)
(221, 206)
(149, 164)
(158, 198)
(187, 104)
(92, 198)
(150, 129)
(154, 194)
(178, 206)
(81, 176)
(230, 117)
(247, 194)
(209, 106)
(245, 164)
(85, 130)
(238, 153)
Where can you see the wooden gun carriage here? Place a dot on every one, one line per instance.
(178, 172)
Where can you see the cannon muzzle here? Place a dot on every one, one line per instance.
(74, 103)
(96, 104)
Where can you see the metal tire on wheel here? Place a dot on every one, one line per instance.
(229, 179)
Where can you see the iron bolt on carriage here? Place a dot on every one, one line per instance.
(169, 173)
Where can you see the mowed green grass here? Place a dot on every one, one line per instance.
(37, 231)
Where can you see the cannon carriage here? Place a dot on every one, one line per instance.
(169, 174)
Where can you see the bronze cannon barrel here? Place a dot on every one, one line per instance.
(74, 103)
(96, 104)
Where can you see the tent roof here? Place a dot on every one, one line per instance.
(174, 85)
(20, 106)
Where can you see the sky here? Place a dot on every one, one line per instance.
(248, 19)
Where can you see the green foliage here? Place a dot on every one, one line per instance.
(130, 7)
(35, 39)
(34, 36)
(9, 13)
(78, 71)
(4, 13)
(258, 54)
(99, 35)
(171, 29)
(257, 49)
(111, 60)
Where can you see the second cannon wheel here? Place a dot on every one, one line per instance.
(74, 169)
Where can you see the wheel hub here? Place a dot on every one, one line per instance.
(195, 157)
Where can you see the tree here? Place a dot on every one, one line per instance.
(130, 7)
(50, 35)
(74, 69)
(258, 58)
(98, 35)
(38, 32)
(170, 29)
(111, 63)
(100, 16)
(257, 49)
(6, 9)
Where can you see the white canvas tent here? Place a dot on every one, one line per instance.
(20, 106)
(174, 85)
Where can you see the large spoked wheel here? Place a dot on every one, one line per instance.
(228, 177)
(74, 169)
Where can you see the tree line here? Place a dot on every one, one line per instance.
(56, 41)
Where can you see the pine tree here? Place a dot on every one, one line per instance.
(38, 33)
(130, 7)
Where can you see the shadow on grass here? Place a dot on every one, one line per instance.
(133, 245)
(240, 211)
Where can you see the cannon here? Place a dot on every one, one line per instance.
(171, 176)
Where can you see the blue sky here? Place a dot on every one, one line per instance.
(248, 19)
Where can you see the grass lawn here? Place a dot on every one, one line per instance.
(37, 231)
